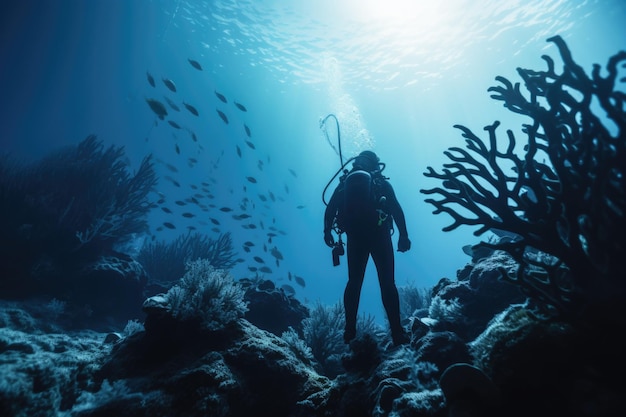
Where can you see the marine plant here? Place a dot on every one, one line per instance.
(413, 299)
(72, 205)
(561, 193)
(323, 333)
(165, 261)
(208, 295)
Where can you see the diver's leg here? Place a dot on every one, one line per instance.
(358, 253)
(382, 254)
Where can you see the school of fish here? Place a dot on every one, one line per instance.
(203, 204)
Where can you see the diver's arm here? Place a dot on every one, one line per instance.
(396, 211)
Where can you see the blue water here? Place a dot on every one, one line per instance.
(398, 75)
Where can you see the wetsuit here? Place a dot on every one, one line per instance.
(363, 240)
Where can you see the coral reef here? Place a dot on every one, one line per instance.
(205, 295)
(165, 261)
(65, 211)
(561, 194)
(175, 365)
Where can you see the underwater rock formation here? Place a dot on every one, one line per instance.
(561, 193)
(270, 308)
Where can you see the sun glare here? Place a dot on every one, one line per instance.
(419, 12)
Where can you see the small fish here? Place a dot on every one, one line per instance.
(265, 269)
(241, 106)
(171, 167)
(195, 64)
(247, 129)
(150, 79)
(221, 97)
(246, 249)
(240, 216)
(194, 137)
(293, 172)
(173, 124)
(222, 115)
(191, 109)
(250, 144)
(172, 180)
(188, 215)
(159, 229)
(177, 149)
(251, 179)
(238, 150)
(171, 104)
(169, 225)
(252, 268)
(300, 207)
(215, 229)
(180, 203)
(276, 253)
(262, 197)
(191, 227)
(214, 221)
(165, 209)
(299, 281)
(193, 161)
(157, 107)
(169, 84)
(226, 209)
(248, 243)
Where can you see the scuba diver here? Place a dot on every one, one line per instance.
(364, 206)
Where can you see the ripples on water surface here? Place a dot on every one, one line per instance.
(375, 47)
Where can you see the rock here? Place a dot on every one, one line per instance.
(442, 349)
(111, 288)
(234, 372)
(462, 380)
(112, 338)
(271, 309)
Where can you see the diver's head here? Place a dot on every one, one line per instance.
(366, 160)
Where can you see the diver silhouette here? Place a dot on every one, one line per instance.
(364, 206)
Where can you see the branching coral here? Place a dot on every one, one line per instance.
(207, 294)
(70, 207)
(563, 193)
(82, 196)
(165, 261)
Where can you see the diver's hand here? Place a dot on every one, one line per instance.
(329, 239)
(404, 244)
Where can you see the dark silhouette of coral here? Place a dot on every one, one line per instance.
(67, 210)
(165, 261)
(562, 196)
